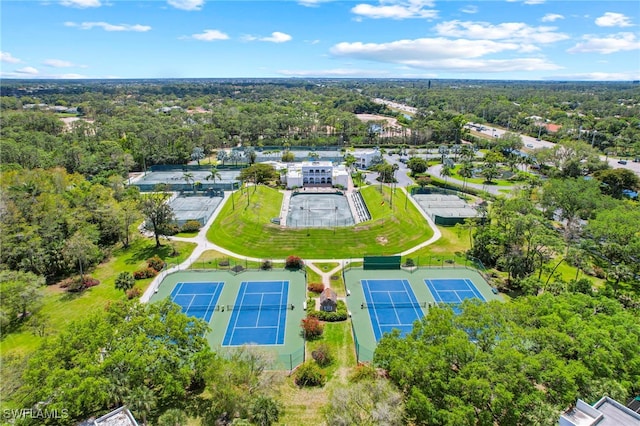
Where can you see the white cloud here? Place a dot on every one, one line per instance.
(513, 31)
(336, 72)
(443, 54)
(210, 35)
(18, 74)
(551, 17)
(108, 27)
(532, 2)
(471, 9)
(57, 63)
(81, 4)
(186, 4)
(612, 19)
(607, 44)
(396, 10)
(275, 37)
(312, 3)
(8, 57)
(27, 70)
(599, 76)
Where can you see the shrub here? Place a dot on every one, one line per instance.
(133, 293)
(124, 281)
(223, 262)
(169, 229)
(156, 263)
(141, 274)
(340, 313)
(321, 355)
(266, 265)
(191, 226)
(409, 262)
(316, 287)
(309, 374)
(311, 327)
(363, 372)
(294, 262)
(90, 282)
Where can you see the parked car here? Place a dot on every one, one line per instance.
(529, 145)
(623, 162)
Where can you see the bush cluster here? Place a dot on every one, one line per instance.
(321, 355)
(90, 282)
(315, 287)
(309, 374)
(191, 226)
(133, 292)
(267, 265)
(312, 327)
(340, 314)
(294, 262)
(141, 274)
(156, 263)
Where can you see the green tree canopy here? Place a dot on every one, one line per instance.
(516, 363)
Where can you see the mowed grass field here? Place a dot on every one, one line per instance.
(248, 230)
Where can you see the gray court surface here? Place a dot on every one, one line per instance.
(319, 211)
(445, 206)
(177, 177)
(194, 208)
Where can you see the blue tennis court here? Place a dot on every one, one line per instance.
(197, 299)
(453, 291)
(259, 314)
(391, 305)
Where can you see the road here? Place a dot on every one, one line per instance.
(533, 143)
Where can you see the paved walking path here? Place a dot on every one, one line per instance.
(202, 245)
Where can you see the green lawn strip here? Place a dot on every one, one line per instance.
(568, 273)
(337, 337)
(302, 406)
(451, 246)
(187, 234)
(210, 259)
(248, 230)
(60, 307)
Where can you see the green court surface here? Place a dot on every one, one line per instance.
(287, 355)
(363, 329)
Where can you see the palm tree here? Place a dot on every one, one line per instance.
(214, 175)
(466, 171)
(446, 171)
(142, 401)
(188, 177)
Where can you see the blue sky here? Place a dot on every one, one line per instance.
(510, 39)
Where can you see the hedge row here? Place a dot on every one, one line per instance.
(340, 314)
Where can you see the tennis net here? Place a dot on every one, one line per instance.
(245, 307)
(391, 305)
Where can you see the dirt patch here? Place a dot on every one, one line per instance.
(361, 228)
(382, 240)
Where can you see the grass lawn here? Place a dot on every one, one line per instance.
(302, 406)
(481, 180)
(210, 259)
(454, 240)
(61, 308)
(248, 230)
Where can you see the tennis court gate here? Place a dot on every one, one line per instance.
(381, 262)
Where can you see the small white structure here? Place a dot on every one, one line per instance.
(364, 159)
(316, 173)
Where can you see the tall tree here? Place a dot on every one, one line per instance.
(158, 213)
(21, 293)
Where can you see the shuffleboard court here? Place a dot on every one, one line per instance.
(197, 299)
(391, 304)
(259, 315)
(453, 291)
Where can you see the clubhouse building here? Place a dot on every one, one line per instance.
(316, 173)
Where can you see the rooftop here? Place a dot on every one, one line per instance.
(118, 417)
(606, 412)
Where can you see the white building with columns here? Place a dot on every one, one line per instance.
(316, 173)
